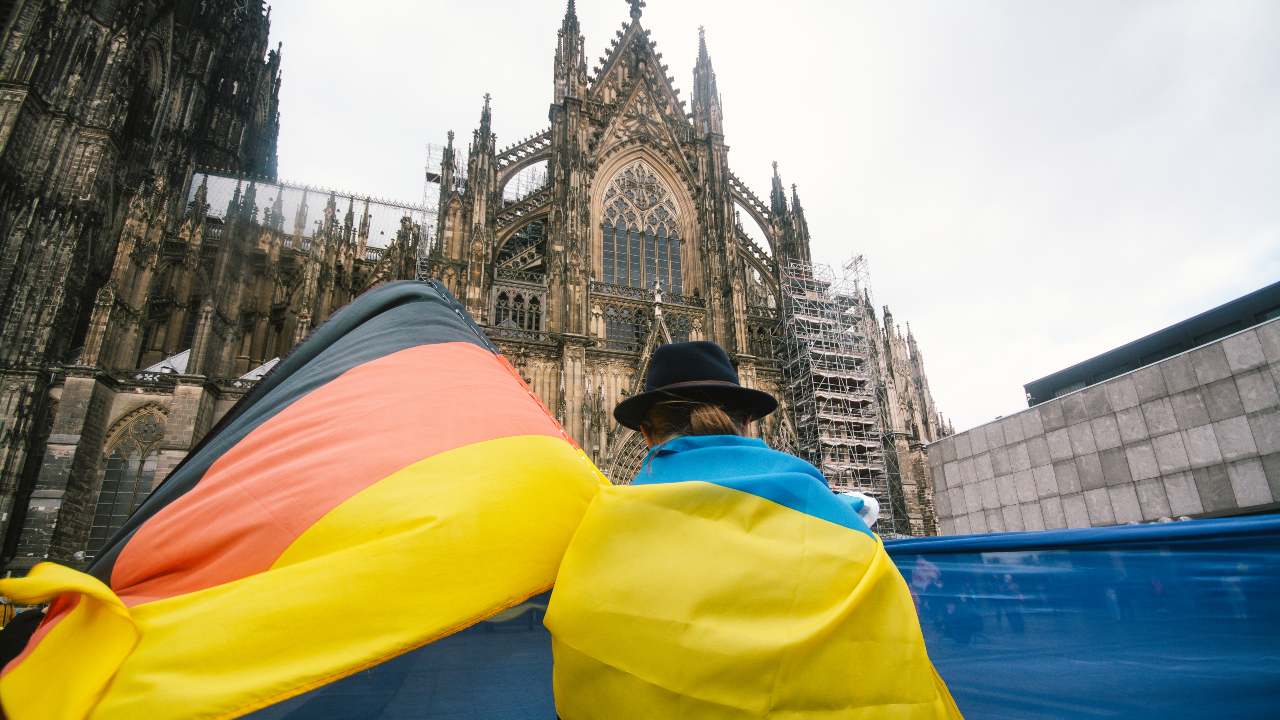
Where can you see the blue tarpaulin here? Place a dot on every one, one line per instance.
(1176, 620)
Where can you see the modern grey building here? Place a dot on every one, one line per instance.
(1192, 432)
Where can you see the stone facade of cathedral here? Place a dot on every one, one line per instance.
(636, 238)
(152, 268)
(908, 419)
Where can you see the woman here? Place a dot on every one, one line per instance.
(728, 581)
(694, 414)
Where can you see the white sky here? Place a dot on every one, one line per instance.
(1033, 182)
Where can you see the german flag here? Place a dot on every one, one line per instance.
(391, 482)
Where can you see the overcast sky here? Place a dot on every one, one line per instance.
(1032, 182)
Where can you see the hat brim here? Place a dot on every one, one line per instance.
(754, 404)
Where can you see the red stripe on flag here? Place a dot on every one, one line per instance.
(340, 438)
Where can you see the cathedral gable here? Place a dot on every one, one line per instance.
(632, 57)
(638, 120)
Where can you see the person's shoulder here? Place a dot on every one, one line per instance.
(787, 461)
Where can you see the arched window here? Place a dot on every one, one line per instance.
(639, 327)
(518, 311)
(679, 326)
(130, 473)
(625, 329)
(504, 310)
(535, 315)
(641, 236)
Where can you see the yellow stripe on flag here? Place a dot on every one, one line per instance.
(427, 551)
(692, 600)
(83, 649)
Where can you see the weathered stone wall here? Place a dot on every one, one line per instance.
(89, 409)
(57, 518)
(1197, 434)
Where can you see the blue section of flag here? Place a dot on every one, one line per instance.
(750, 466)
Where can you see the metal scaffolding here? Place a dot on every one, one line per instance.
(830, 380)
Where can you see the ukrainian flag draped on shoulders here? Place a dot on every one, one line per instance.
(727, 582)
(393, 483)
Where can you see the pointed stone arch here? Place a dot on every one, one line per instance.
(130, 465)
(780, 434)
(116, 433)
(626, 453)
(509, 173)
(674, 183)
(740, 202)
(506, 234)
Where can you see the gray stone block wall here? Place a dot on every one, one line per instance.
(59, 513)
(1196, 434)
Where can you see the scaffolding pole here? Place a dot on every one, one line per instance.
(830, 380)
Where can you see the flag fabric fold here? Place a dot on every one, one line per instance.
(734, 586)
(393, 462)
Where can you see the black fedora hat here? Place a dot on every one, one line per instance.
(699, 371)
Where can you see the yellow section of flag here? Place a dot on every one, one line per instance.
(693, 600)
(87, 644)
(422, 553)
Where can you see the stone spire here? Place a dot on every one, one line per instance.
(330, 214)
(249, 205)
(362, 236)
(799, 227)
(570, 23)
(200, 203)
(233, 205)
(637, 7)
(571, 61)
(777, 196)
(707, 114)
(448, 166)
(483, 143)
(448, 172)
(485, 131)
(349, 220)
(277, 210)
(480, 195)
(300, 217)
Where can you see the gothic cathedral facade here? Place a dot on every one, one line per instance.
(152, 268)
(633, 239)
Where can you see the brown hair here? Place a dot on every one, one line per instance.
(675, 417)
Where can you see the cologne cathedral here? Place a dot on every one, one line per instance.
(153, 268)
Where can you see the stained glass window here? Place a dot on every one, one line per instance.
(127, 480)
(641, 234)
(625, 329)
(610, 255)
(680, 328)
(503, 312)
(534, 321)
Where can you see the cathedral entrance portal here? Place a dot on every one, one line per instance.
(627, 452)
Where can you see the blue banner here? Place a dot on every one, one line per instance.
(1175, 620)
